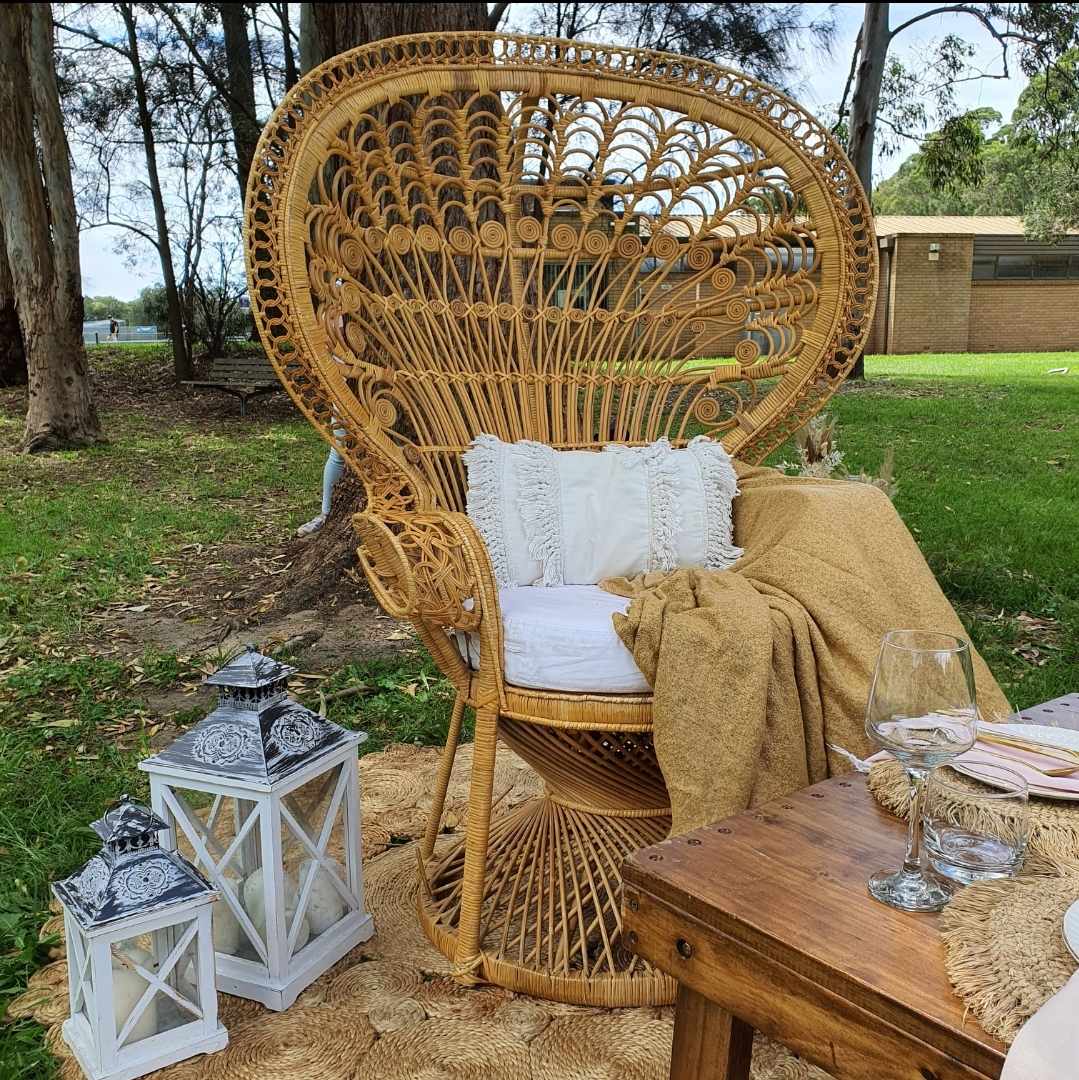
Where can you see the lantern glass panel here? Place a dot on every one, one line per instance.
(221, 835)
(155, 982)
(318, 893)
(81, 972)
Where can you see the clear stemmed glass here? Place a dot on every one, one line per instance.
(922, 711)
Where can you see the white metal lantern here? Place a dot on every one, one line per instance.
(140, 953)
(263, 796)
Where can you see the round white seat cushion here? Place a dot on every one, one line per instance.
(562, 638)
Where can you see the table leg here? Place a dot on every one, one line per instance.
(709, 1042)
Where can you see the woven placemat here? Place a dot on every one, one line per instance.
(1005, 950)
(387, 1011)
(1004, 943)
(1054, 824)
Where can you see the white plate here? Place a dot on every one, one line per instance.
(1033, 789)
(1071, 929)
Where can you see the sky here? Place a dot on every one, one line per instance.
(105, 273)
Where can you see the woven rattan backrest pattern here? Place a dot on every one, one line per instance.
(548, 240)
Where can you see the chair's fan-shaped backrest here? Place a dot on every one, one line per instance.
(547, 240)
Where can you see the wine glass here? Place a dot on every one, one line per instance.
(921, 710)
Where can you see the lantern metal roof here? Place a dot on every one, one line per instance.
(131, 874)
(127, 821)
(257, 733)
(250, 670)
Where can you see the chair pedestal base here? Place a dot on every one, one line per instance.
(550, 922)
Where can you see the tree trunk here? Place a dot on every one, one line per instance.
(289, 53)
(863, 107)
(12, 353)
(338, 27)
(310, 56)
(37, 212)
(325, 31)
(56, 166)
(181, 355)
(241, 96)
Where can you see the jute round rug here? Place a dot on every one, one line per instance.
(1004, 945)
(388, 1011)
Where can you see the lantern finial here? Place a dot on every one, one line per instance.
(131, 873)
(257, 733)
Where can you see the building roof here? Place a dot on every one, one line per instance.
(891, 224)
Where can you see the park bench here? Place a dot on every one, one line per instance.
(245, 377)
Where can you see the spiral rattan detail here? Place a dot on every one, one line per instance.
(571, 243)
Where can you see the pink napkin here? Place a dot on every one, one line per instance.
(1014, 758)
(1047, 1047)
(1023, 762)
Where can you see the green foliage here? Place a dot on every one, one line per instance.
(1027, 167)
(765, 40)
(147, 309)
(952, 159)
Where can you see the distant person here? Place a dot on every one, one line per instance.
(331, 473)
(114, 330)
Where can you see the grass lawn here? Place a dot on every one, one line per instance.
(987, 460)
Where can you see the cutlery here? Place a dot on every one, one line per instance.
(1046, 750)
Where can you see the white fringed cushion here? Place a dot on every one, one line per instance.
(575, 517)
(562, 639)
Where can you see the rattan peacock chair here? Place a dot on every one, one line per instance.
(466, 233)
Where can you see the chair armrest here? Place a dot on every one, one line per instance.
(429, 566)
(432, 568)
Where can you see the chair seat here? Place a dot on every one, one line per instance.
(562, 638)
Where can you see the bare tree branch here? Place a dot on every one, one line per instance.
(850, 80)
(211, 76)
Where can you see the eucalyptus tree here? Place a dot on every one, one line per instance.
(764, 40)
(41, 240)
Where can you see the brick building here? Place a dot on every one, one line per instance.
(973, 284)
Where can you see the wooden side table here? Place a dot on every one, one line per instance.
(765, 921)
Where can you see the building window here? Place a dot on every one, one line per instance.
(560, 292)
(1015, 266)
(1051, 266)
(650, 263)
(1025, 267)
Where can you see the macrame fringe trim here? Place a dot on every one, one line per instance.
(967, 931)
(720, 488)
(664, 486)
(539, 502)
(485, 463)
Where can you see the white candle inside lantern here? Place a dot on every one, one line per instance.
(255, 904)
(128, 986)
(325, 906)
(256, 789)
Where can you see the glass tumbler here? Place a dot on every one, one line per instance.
(977, 827)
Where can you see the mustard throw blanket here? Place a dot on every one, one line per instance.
(755, 668)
